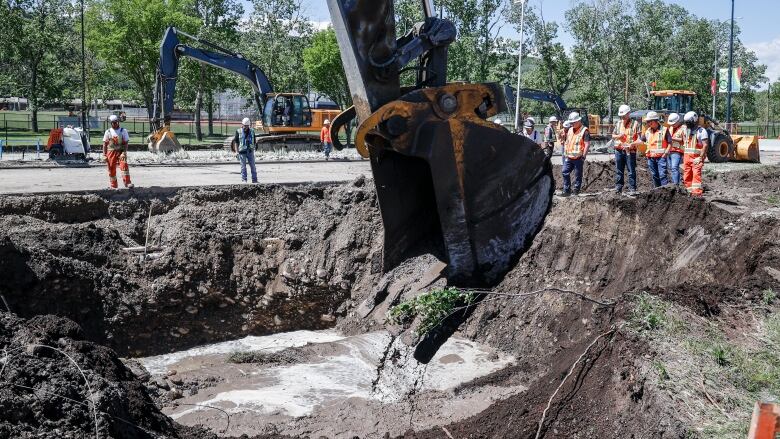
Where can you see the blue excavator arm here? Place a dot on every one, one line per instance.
(171, 49)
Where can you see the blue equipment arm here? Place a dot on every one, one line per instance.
(165, 82)
(536, 95)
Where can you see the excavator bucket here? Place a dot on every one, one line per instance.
(450, 181)
(164, 141)
(746, 148)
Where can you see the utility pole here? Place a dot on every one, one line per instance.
(519, 65)
(626, 94)
(83, 76)
(731, 68)
(715, 78)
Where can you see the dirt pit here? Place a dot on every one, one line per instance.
(646, 316)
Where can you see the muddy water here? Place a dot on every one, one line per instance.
(333, 376)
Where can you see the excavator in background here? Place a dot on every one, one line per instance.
(562, 111)
(724, 146)
(448, 181)
(287, 119)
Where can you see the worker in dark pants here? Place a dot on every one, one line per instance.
(577, 146)
(549, 136)
(658, 142)
(245, 141)
(624, 137)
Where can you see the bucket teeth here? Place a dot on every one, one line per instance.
(452, 183)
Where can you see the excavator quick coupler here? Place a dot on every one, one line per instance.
(449, 179)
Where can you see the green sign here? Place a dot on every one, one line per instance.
(736, 80)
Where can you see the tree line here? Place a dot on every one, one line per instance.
(620, 50)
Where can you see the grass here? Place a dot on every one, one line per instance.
(431, 308)
(768, 296)
(773, 200)
(649, 314)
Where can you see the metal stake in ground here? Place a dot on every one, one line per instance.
(148, 227)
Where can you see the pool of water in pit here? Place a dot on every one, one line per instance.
(332, 371)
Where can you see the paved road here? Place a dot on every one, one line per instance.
(91, 178)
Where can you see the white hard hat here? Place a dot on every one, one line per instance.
(623, 110)
(533, 121)
(574, 117)
(567, 124)
(246, 122)
(529, 123)
(326, 122)
(497, 121)
(652, 115)
(674, 119)
(691, 116)
(552, 119)
(113, 118)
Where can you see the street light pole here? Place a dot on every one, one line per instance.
(731, 68)
(83, 75)
(519, 65)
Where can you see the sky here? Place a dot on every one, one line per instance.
(757, 20)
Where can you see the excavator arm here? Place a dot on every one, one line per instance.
(448, 181)
(171, 49)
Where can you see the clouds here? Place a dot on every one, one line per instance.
(768, 52)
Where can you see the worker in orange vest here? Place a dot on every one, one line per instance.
(677, 136)
(697, 140)
(327, 143)
(575, 152)
(658, 142)
(625, 136)
(115, 142)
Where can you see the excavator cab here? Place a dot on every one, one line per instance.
(286, 110)
(448, 181)
(672, 101)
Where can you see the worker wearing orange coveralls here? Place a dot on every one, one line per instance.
(115, 142)
(697, 140)
(327, 143)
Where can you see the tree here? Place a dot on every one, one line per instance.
(322, 62)
(276, 33)
(40, 51)
(218, 21)
(126, 34)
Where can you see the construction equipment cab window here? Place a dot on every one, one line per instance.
(287, 110)
(673, 101)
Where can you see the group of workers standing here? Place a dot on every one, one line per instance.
(681, 142)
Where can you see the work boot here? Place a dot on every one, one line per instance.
(130, 186)
(576, 191)
(564, 194)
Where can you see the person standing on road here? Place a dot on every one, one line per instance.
(697, 140)
(677, 137)
(549, 136)
(625, 136)
(115, 142)
(327, 143)
(658, 142)
(245, 139)
(577, 146)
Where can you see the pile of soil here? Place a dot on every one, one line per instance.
(225, 262)
(44, 394)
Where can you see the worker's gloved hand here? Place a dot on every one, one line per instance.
(697, 160)
(623, 138)
(103, 157)
(123, 157)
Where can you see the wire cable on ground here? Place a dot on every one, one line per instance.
(213, 408)
(571, 371)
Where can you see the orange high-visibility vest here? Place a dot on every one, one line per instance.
(575, 143)
(629, 131)
(325, 134)
(693, 145)
(678, 139)
(656, 143)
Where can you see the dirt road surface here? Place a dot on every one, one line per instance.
(92, 178)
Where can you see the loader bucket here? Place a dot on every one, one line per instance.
(746, 149)
(450, 182)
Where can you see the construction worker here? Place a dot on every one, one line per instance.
(576, 150)
(245, 139)
(697, 140)
(549, 136)
(530, 132)
(562, 139)
(675, 157)
(658, 142)
(624, 137)
(115, 142)
(327, 144)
